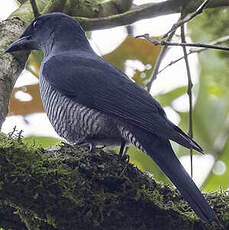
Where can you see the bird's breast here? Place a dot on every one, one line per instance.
(76, 122)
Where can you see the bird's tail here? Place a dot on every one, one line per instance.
(161, 152)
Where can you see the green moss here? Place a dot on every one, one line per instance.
(71, 188)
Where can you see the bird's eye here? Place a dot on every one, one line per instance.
(34, 24)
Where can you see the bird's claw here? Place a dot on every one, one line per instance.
(125, 158)
(88, 145)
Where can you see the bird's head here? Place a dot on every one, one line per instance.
(49, 31)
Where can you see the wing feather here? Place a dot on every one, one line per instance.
(91, 81)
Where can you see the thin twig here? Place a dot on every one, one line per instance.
(158, 63)
(165, 43)
(189, 92)
(192, 51)
(35, 9)
(187, 19)
(170, 35)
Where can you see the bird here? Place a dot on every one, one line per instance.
(90, 101)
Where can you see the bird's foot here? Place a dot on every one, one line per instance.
(87, 145)
(66, 144)
(123, 156)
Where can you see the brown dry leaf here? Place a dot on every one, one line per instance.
(135, 49)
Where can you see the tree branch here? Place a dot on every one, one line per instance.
(165, 43)
(159, 60)
(197, 50)
(189, 92)
(71, 188)
(142, 12)
(10, 67)
(189, 18)
(92, 20)
(35, 8)
(21, 1)
(170, 35)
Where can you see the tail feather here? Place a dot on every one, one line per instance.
(172, 167)
(161, 152)
(183, 139)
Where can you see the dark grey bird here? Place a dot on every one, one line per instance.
(90, 101)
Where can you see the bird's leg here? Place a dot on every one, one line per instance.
(122, 148)
(123, 155)
(123, 151)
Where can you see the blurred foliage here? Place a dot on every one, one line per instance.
(210, 114)
(34, 62)
(218, 177)
(167, 98)
(135, 49)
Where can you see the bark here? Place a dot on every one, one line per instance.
(71, 188)
(10, 67)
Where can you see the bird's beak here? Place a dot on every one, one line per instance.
(23, 43)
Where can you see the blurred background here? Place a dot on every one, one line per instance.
(136, 57)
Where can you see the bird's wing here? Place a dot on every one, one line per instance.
(91, 81)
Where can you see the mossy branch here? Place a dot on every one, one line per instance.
(71, 188)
